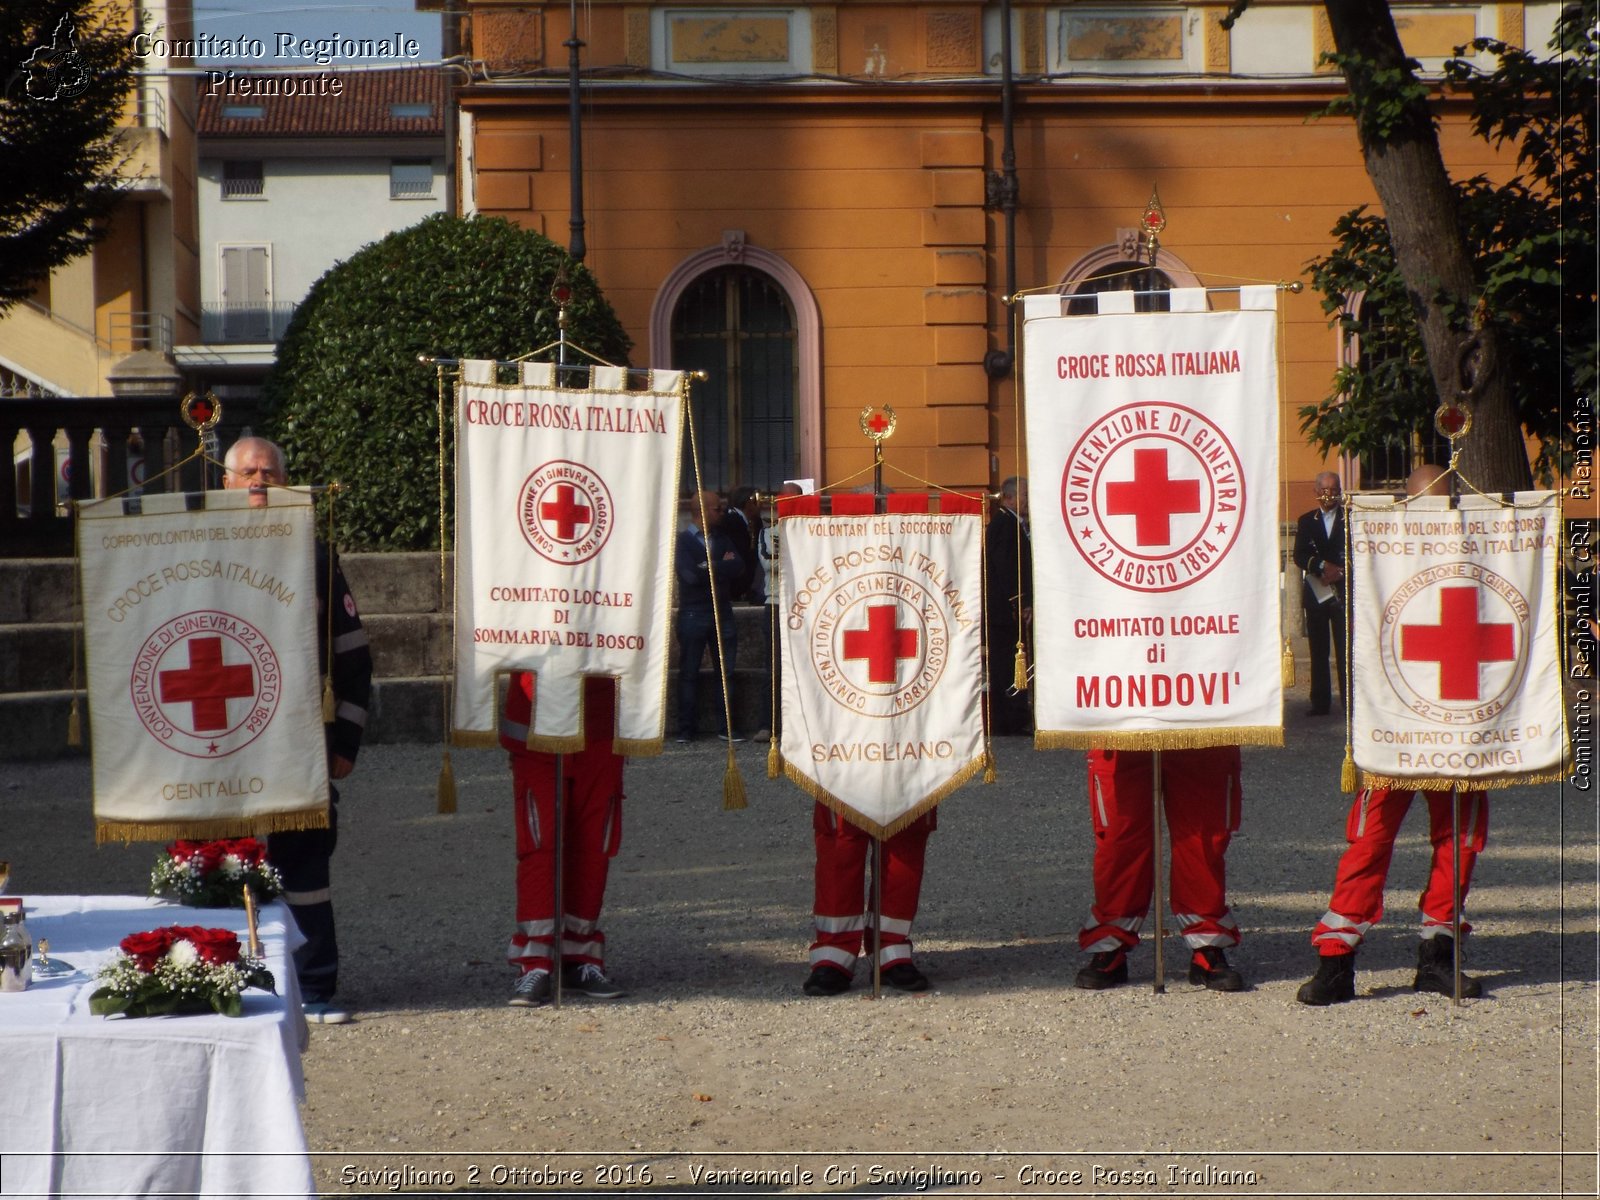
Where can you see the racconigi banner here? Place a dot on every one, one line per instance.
(881, 637)
(1454, 622)
(566, 510)
(1152, 449)
(200, 639)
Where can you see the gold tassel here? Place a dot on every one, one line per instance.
(1019, 677)
(772, 757)
(733, 796)
(1288, 664)
(328, 706)
(1347, 771)
(74, 725)
(988, 766)
(447, 786)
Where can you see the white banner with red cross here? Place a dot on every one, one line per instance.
(1152, 449)
(566, 509)
(881, 620)
(200, 639)
(1454, 622)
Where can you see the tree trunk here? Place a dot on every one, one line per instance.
(1408, 173)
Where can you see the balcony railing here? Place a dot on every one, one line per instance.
(129, 331)
(137, 440)
(244, 322)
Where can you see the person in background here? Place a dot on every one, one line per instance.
(704, 603)
(1319, 551)
(304, 856)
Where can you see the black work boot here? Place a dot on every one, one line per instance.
(1106, 969)
(1334, 982)
(1436, 969)
(1209, 966)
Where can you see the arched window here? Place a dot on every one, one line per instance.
(745, 318)
(1123, 268)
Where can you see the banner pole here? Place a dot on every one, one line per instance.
(876, 941)
(1455, 889)
(1157, 803)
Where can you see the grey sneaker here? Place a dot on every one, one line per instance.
(532, 990)
(591, 981)
(325, 1012)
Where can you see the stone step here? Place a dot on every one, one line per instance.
(33, 725)
(38, 656)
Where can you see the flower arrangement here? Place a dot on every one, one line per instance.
(214, 874)
(178, 969)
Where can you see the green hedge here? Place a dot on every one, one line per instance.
(349, 401)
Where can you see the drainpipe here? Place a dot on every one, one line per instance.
(1001, 193)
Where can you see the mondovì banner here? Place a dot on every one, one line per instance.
(1454, 619)
(200, 638)
(566, 508)
(1152, 444)
(881, 621)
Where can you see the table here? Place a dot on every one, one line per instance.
(193, 1105)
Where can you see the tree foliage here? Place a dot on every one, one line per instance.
(349, 400)
(1533, 245)
(66, 67)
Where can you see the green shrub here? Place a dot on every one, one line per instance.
(349, 401)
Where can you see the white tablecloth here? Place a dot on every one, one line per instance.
(153, 1106)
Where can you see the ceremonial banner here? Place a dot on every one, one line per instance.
(882, 658)
(1454, 622)
(200, 637)
(1152, 444)
(566, 509)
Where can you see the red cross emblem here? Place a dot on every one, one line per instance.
(1459, 643)
(882, 643)
(878, 422)
(1151, 498)
(566, 513)
(207, 684)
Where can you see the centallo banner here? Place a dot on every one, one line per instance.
(200, 639)
(881, 619)
(1152, 447)
(1455, 612)
(566, 508)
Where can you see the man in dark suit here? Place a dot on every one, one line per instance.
(1008, 607)
(741, 525)
(1319, 546)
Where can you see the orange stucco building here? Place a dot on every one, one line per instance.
(808, 200)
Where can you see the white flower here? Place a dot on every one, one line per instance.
(183, 953)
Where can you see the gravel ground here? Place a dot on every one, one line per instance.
(1004, 1079)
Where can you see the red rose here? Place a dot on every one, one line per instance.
(147, 948)
(217, 946)
(183, 848)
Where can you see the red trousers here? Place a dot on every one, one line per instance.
(1201, 794)
(1373, 825)
(592, 800)
(840, 905)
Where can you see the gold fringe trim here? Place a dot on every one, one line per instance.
(1158, 739)
(1369, 780)
(74, 725)
(207, 830)
(638, 747)
(329, 707)
(1288, 664)
(1347, 771)
(545, 744)
(474, 739)
(823, 796)
(1019, 673)
(733, 794)
(774, 760)
(447, 786)
(988, 766)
